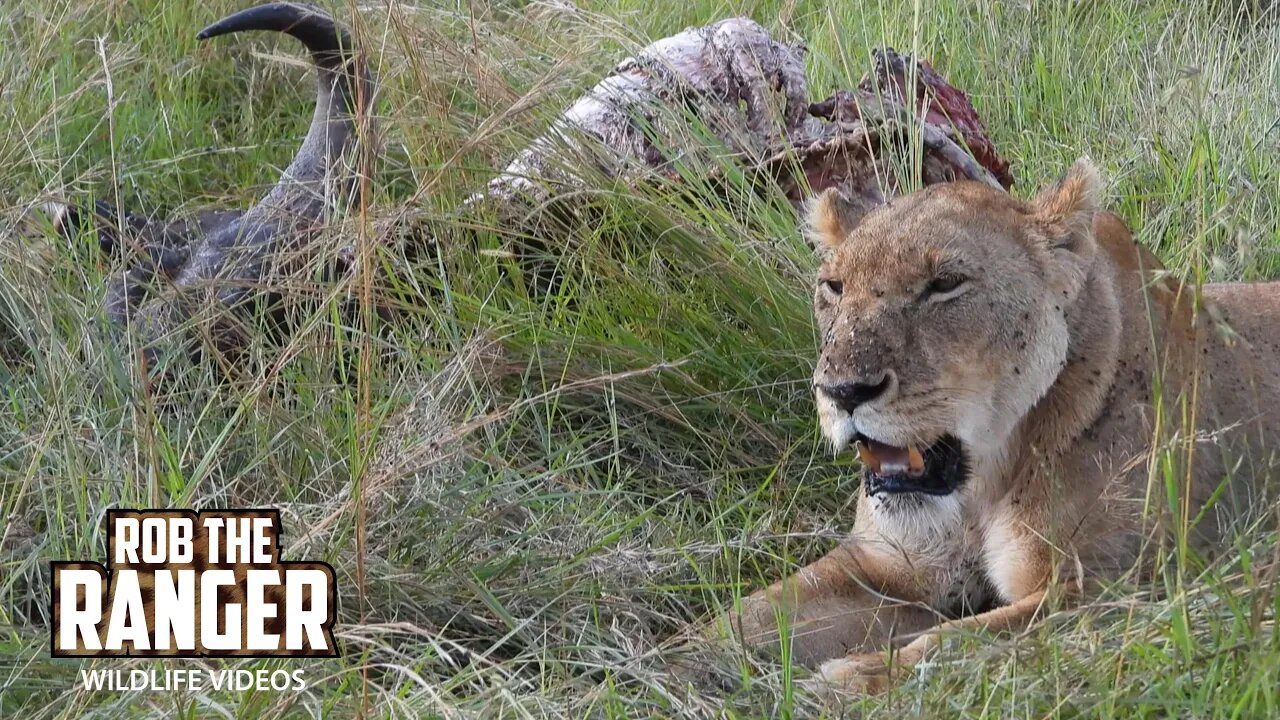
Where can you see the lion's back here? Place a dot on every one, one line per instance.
(1252, 310)
(1245, 371)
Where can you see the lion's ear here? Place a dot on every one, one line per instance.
(1065, 213)
(831, 216)
(1066, 210)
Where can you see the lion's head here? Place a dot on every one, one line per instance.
(943, 320)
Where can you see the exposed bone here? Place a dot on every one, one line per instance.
(750, 91)
(729, 74)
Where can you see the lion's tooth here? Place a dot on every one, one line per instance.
(868, 457)
(915, 461)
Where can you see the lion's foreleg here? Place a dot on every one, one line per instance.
(851, 600)
(869, 673)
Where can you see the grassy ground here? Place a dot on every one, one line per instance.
(524, 494)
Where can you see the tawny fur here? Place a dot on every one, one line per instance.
(1046, 366)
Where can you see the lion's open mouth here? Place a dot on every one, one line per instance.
(937, 470)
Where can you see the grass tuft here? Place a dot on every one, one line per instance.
(525, 494)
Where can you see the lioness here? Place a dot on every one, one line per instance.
(1007, 369)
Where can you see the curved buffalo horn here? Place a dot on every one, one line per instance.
(227, 260)
(344, 86)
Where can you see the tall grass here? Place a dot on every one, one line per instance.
(525, 494)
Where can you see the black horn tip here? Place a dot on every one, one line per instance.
(308, 23)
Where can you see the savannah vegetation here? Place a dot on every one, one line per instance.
(526, 487)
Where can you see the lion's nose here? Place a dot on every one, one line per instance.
(848, 396)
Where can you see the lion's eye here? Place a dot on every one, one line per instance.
(944, 284)
(835, 287)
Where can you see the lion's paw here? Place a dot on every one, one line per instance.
(853, 676)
